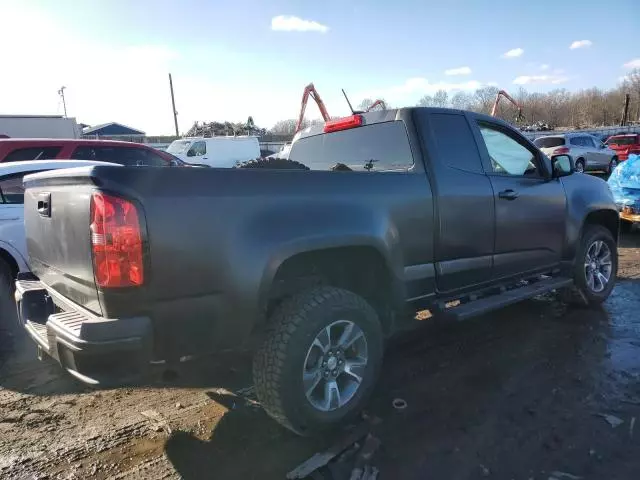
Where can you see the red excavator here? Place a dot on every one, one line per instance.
(310, 91)
(499, 95)
(377, 103)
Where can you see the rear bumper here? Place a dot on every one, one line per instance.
(95, 350)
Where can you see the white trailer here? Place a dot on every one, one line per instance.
(38, 126)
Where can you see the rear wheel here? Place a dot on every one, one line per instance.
(580, 165)
(612, 165)
(320, 360)
(595, 268)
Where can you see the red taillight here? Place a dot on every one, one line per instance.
(561, 150)
(116, 241)
(343, 123)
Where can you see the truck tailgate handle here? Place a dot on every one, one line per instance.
(44, 204)
(508, 194)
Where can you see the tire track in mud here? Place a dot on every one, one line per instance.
(58, 460)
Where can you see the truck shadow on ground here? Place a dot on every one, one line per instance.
(242, 443)
(466, 385)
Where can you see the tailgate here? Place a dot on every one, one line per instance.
(57, 219)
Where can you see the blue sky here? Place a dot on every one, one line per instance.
(234, 59)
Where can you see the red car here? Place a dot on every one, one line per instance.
(624, 145)
(124, 153)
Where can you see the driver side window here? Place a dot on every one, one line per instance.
(197, 149)
(508, 157)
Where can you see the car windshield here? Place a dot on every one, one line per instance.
(622, 140)
(548, 142)
(179, 147)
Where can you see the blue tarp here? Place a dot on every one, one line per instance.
(624, 183)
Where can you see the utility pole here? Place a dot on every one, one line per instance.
(173, 105)
(64, 105)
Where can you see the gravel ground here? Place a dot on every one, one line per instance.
(517, 394)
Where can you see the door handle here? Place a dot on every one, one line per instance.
(44, 204)
(508, 194)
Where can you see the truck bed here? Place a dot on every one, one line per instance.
(214, 237)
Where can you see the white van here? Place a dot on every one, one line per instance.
(217, 152)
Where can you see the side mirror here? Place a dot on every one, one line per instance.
(562, 165)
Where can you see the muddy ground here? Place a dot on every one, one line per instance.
(517, 394)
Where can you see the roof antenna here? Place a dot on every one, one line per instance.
(353, 112)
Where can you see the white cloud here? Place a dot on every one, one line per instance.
(635, 63)
(539, 79)
(580, 44)
(513, 53)
(544, 66)
(290, 23)
(458, 71)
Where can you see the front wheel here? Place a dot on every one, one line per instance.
(580, 165)
(612, 165)
(595, 268)
(320, 359)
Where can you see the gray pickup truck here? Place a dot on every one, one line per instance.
(317, 259)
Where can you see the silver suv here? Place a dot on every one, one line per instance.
(587, 151)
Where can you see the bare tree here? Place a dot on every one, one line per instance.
(462, 101)
(364, 104)
(441, 99)
(426, 101)
(484, 98)
(286, 127)
(559, 108)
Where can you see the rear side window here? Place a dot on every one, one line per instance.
(456, 145)
(371, 148)
(130, 157)
(549, 142)
(32, 153)
(577, 141)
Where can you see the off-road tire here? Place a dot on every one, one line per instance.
(273, 164)
(580, 294)
(278, 363)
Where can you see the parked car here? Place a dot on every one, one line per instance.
(373, 216)
(624, 145)
(124, 153)
(587, 152)
(219, 152)
(13, 247)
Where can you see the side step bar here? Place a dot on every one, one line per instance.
(507, 297)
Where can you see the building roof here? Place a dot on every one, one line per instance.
(111, 128)
(31, 116)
